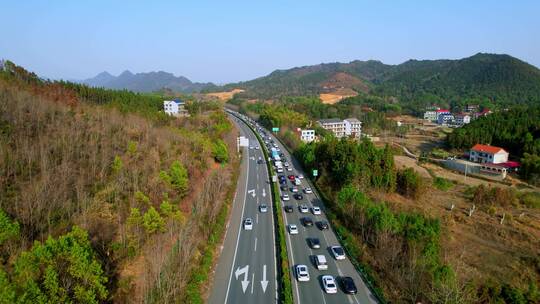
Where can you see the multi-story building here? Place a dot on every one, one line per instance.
(445, 118)
(488, 154)
(430, 115)
(462, 119)
(341, 128)
(353, 127)
(307, 135)
(175, 107)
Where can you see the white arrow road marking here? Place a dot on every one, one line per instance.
(264, 282)
(244, 270)
(264, 193)
(252, 192)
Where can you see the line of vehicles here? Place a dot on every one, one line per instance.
(293, 184)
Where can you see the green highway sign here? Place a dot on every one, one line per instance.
(275, 129)
(315, 173)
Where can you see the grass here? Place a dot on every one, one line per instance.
(531, 199)
(442, 184)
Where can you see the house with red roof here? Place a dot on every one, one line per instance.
(488, 154)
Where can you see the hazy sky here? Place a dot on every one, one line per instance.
(224, 41)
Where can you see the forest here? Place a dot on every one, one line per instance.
(516, 130)
(97, 193)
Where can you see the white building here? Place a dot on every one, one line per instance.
(462, 119)
(341, 128)
(307, 136)
(175, 107)
(488, 154)
(333, 125)
(353, 127)
(430, 115)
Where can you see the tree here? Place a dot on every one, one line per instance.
(62, 270)
(409, 183)
(153, 222)
(220, 151)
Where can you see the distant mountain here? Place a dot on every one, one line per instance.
(499, 78)
(146, 82)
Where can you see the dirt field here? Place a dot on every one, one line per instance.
(336, 96)
(407, 162)
(224, 96)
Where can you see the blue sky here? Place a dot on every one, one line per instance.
(225, 41)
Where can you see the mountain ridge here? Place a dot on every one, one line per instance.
(146, 82)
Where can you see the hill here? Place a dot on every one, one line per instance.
(145, 82)
(95, 197)
(500, 79)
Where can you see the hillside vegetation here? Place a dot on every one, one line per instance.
(94, 202)
(487, 79)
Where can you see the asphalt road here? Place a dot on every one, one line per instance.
(300, 253)
(246, 270)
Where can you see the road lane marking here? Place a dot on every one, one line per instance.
(245, 271)
(252, 280)
(238, 237)
(252, 192)
(255, 244)
(257, 218)
(264, 282)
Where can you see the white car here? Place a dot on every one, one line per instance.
(289, 169)
(338, 252)
(293, 229)
(300, 176)
(302, 273)
(304, 209)
(308, 190)
(294, 189)
(316, 210)
(248, 224)
(329, 284)
(263, 208)
(286, 164)
(285, 197)
(257, 147)
(251, 147)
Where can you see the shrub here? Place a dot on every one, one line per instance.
(153, 222)
(409, 183)
(442, 183)
(220, 151)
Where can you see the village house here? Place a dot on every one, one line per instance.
(488, 154)
(342, 128)
(175, 107)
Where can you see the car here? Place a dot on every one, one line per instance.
(297, 181)
(298, 196)
(263, 208)
(283, 182)
(300, 176)
(286, 164)
(320, 262)
(307, 221)
(281, 154)
(316, 210)
(289, 209)
(329, 284)
(248, 224)
(314, 243)
(257, 147)
(308, 190)
(338, 252)
(279, 170)
(282, 177)
(284, 188)
(260, 162)
(302, 273)
(251, 147)
(289, 169)
(293, 229)
(291, 177)
(294, 189)
(348, 286)
(285, 197)
(303, 208)
(322, 225)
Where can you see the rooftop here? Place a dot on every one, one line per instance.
(353, 120)
(330, 120)
(487, 148)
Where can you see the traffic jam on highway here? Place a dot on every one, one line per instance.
(295, 196)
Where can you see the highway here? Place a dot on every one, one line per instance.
(300, 252)
(246, 269)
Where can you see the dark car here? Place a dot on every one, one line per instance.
(282, 177)
(298, 196)
(289, 209)
(283, 182)
(348, 286)
(307, 221)
(322, 225)
(284, 188)
(314, 243)
(281, 155)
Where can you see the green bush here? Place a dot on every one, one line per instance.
(220, 151)
(153, 222)
(530, 199)
(409, 183)
(442, 183)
